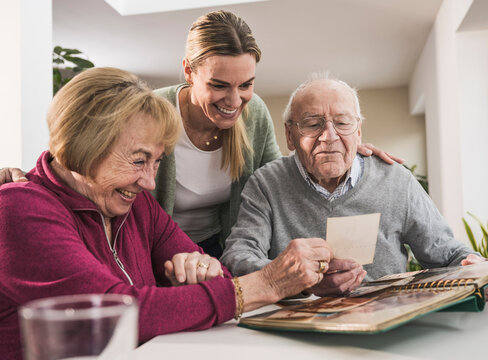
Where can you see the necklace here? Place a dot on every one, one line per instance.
(194, 135)
(215, 137)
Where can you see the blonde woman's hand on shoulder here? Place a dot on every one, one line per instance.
(11, 175)
(370, 149)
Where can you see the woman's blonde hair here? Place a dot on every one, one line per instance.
(224, 33)
(87, 115)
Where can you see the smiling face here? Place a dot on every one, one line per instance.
(129, 169)
(221, 87)
(328, 156)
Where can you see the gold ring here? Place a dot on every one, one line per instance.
(322, 266)
(200, 264)
(319, 279)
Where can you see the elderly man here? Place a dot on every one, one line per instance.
(292, 197)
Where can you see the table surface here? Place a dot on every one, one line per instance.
(439, 335)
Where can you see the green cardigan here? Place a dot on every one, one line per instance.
(261, 135)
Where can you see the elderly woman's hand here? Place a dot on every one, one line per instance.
(370, 149)
(344, 275)
(11, 175)
(191, 268)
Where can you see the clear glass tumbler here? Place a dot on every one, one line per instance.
(94, 326)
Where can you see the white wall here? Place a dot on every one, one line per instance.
(26, 86)
(433, 90)
(473, 113)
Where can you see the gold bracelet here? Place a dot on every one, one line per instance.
(240, 298)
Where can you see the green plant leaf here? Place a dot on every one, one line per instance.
(482, 226)
(83, 63)
(71, 51)
(64, 56)
(469, 232)
(56, 76)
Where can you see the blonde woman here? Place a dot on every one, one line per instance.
(227, 131)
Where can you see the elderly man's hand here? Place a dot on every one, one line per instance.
(370, 149)
(191, 268)
(472, 259)
(344, 275)
(11, 175)
(300, 266)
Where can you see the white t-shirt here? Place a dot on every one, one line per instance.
(201, 186)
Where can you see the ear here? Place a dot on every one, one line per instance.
(289, 137)
(359, 132)
(188, 72)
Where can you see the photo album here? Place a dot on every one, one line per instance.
(383, 304)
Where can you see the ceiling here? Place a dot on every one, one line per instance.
(368, 43)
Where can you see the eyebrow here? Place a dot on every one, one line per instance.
(307, 114)
(145, 152)
(227, 83)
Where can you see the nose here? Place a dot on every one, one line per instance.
(329, 133)
(147, 179)
(234, 98)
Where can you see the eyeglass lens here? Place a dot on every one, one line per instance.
(314, 126)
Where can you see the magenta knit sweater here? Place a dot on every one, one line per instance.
(52, 242)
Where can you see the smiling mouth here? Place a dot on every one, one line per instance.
(126, 194)
(225, 111)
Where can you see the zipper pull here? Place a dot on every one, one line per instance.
(117, 260)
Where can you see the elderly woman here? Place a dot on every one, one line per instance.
(85, 221)
(227, 131)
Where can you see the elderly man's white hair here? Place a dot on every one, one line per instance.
(312, 78)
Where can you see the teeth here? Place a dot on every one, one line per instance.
(127, 194)
(225, 111)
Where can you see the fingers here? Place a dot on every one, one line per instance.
(202, 266)
(396, 158)
(370, 149)
(342, 265)
(340, 282)
(297, 267)
(311, 248)
(169, 273)
(11, 174)
(195, 273)
(179, 261)
(472, 259)
(364, 149)
(192, 268)
(214, 269)
(17, 175)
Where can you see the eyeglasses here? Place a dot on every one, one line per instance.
(313, 126)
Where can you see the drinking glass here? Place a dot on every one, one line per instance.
(93, 326)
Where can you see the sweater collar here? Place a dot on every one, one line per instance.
(353, 176)
(74, 200)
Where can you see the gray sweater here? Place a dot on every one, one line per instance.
(278, 206)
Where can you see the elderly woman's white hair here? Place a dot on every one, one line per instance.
(312, 78)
